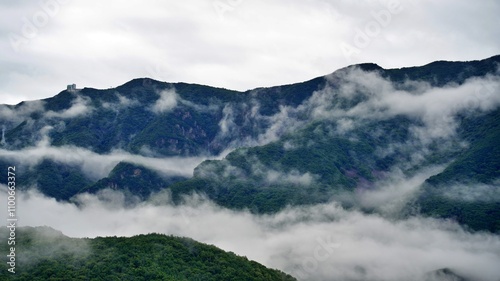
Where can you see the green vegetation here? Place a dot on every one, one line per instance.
(134, 179)
(316, 167)
(480, 162)
(60, 181)
(477, 164)
(440, 73)
(477, 215)
(310, 165)
(45, 254)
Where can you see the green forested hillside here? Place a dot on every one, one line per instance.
(46, 254)
(478, 164)
(133, 179)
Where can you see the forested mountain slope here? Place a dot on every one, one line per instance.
(339, 137)
(46, 254)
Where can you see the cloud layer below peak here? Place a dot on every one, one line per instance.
(321, 242)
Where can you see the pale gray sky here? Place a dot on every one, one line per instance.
(236, 44)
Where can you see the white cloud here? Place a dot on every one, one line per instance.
(259, 172)
(291, 178)
(391, 195)
(167, 101)
(226, 124)
(97, 166)
(123, 102)
(265, 128)
(190, 42)
(22, 112)
(285, 121)
(321, 242)
(476, 192)
(79, 106)
(436, 107)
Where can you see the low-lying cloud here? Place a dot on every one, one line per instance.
(435, 107)
(13, 114)
(97, 166)
(353, 98)
(257, 172)
(123, 102)
(80, 106)
(391, 195)
(473, 193)
(322, 242)
(166, 102)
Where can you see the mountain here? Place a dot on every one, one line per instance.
(46, 254)
(339, 137)
(444, 274)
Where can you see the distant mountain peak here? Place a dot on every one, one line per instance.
(368, 66)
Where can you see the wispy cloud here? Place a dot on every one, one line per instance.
(321, 242)
(473, 193)
(20, 113)
(97, 166)
(80, 106)
(258, 173)
(167, 101)
(353, 99)
(123, 102)
(436, 107)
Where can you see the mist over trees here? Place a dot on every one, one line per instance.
(362, 161)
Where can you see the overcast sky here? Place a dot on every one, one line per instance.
(236, 44)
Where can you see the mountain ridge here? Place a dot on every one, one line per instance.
(365, 66)
(302, 143)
